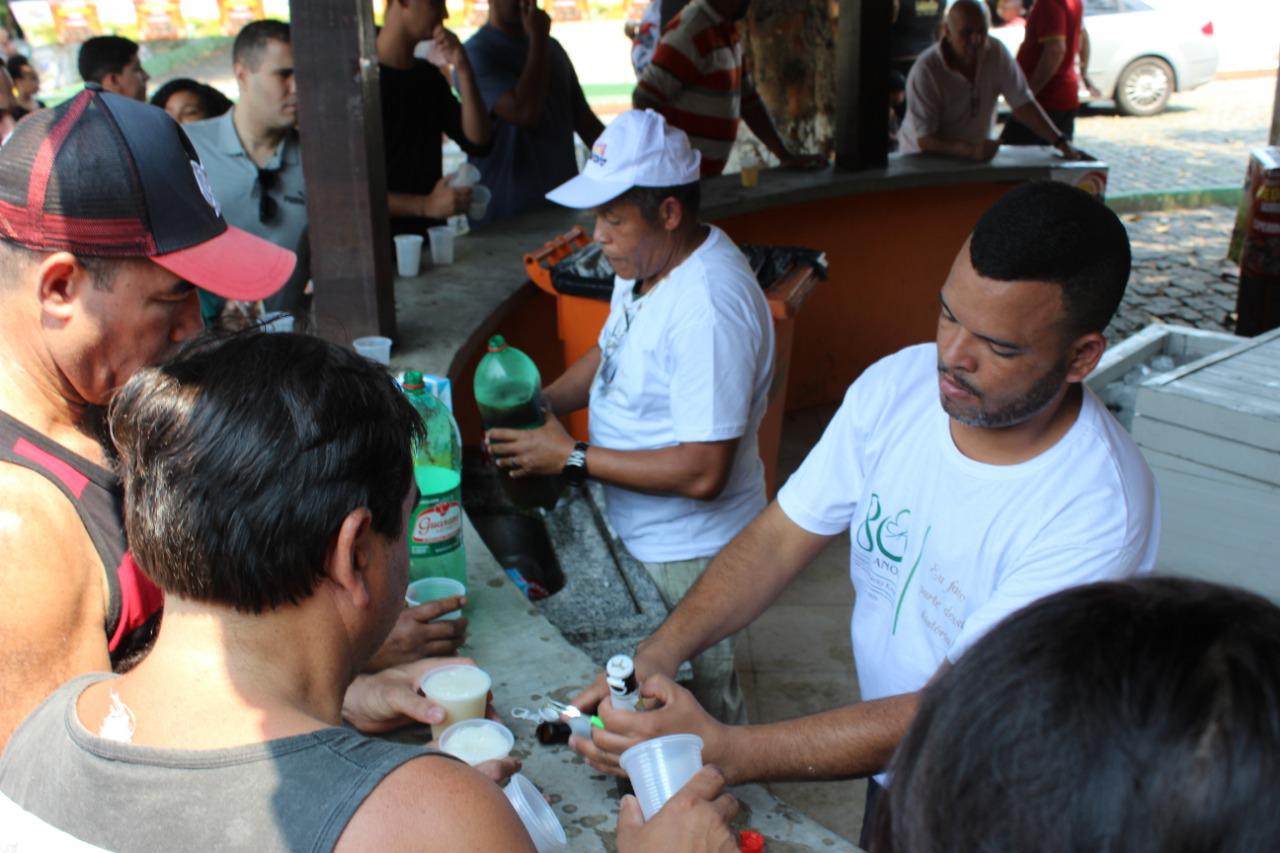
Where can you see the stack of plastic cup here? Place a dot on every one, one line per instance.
(408, 254)
(660, 767)
(374, 347)
(539, 820)
(480, 196)
(441, 244)
(433, 589)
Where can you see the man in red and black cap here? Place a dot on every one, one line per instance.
(107, 226)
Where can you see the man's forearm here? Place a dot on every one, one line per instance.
(741, 582)
(410, 205)
(947, 147)
(697, 470)
(757, 117)
(475, 118)
(850, 742)
(1050, 58)
(530, 93)
(572, 389)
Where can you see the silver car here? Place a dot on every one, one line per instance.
(1141, 51)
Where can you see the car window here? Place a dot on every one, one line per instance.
(1136, 6)
(1101, 7)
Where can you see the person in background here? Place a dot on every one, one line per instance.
(189, 100)
(897, 101)
(644, 36)
(1139, 716)
(535, 103)
(953, 87)
(26, 83)
(418, 106)
(254, 158)
(973, 475)
(113, 63)
(1055, 37)
(678, 384)
(698, 80)
(1012, 13)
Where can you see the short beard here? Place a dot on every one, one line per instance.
(1017, 411)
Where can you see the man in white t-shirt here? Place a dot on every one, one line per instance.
(953, 87)
(678, 382)
(974, 475)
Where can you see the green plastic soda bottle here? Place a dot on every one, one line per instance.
(435, 533)
(508, 392)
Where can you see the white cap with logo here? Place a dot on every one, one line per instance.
(637, 149)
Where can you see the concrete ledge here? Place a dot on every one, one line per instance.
(1175, 199)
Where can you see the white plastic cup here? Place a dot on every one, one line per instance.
(480, 196)
(276, 321)
(462, 690)
(408, 254)
(441, 244)
(536, 814)
(660, 767)
(374, 347)
(467, 175)
(433, 589)
(476, 741)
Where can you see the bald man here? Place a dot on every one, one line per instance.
(953, 87)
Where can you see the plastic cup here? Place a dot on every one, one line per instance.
(475, 741)
(441, 244)
(536, 814)
(480, 196)
(467, 175)
(433, 589)
(462, 690)
(276, 321)
(408, 254)
(660, 767)
(374, 347)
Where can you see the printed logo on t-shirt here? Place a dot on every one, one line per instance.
(890, 550)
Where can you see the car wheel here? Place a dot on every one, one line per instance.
(1144, 87)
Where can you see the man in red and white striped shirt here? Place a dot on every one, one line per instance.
(697, 80)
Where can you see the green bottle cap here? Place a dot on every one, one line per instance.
(413, 380)
(497, 343)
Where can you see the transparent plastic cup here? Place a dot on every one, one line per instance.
(462, 690)
(475, 741)
(467, 175)
(660, 767)
(433, 589)
(535, 813)
(480, 196)
(374, 347)
(408, 254)
(276, 321)
(441, 244)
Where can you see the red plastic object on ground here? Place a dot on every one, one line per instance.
(750, 841)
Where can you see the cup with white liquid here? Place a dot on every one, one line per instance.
(461, 690)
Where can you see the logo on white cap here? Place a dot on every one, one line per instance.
(206, 189)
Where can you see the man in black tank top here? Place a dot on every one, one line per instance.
(106, 229)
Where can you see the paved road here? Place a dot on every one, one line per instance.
(1203, 140)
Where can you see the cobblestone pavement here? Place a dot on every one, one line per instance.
(1180, 271)
(1203, 140)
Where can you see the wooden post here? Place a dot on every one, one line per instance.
(862, 84)
(1275, 114)
(336, 63)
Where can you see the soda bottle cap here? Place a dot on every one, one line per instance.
(750, 841)
(497, 344)
(412, 379)
(620, 667)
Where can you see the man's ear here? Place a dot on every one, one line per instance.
(351, 557)
(241, 72)
(62, 280)
(670, 214)
(1085, 353)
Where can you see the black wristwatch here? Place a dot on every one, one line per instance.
(575, 470)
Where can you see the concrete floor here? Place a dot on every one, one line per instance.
(796, 658)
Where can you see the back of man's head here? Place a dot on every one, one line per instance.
(1050, 232)
(1139, 716)
(241, 459)
(252, 41)
(103, 55)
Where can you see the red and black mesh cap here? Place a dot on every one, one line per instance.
(107, 176)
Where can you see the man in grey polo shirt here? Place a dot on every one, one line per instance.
(254, 159)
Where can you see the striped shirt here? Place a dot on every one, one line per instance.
(698, 82)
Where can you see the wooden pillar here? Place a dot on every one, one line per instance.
(862, 84)
(1275, 114)
(336, 64)
(792, 49)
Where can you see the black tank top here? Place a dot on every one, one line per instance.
(134, 603)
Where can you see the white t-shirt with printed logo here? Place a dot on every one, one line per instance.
(943, 547)
(690, 361)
